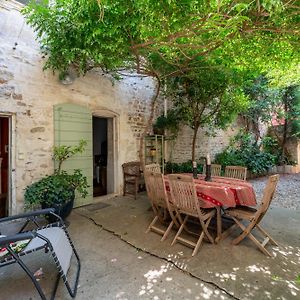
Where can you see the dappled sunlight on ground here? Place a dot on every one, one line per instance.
(270, 276)
(163, 276)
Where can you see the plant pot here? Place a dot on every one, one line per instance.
(61, 209)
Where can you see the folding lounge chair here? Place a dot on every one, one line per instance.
(52, 237)
(236, 172)
(185, 198)
(253, 216)
(161, 206)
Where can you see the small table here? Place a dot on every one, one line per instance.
(222, 191)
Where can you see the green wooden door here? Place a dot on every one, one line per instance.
(73, 123)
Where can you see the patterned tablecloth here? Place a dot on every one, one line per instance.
(223, 191)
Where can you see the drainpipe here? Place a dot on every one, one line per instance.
(165, 114)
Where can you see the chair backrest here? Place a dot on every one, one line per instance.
(215, 170)
(237, 172)
(152, 168)
(184, 195)
(156, 189)
(268, 195)
(132, 168)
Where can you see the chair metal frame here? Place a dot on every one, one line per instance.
(254, 216)
(236, 172)
(185, 199)
(32, 217)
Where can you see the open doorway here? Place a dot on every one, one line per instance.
(4, 165)
(99, 156)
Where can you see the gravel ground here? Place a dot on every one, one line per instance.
(287, 194)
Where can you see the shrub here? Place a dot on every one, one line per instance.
(185, 167)
(245, 151)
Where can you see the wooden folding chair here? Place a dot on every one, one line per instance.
(157, 194)
(185, 199)
(215, 170)
(236, 172)
(254, 216)
(152, 168)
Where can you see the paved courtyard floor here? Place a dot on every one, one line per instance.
(121, 261)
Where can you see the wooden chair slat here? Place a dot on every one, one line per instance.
(157, 194)
(215, 170)
(237, 172)
(152, 168)
(184, 195)
(132, 178)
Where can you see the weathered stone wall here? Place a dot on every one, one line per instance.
(28, 94)
(181, 149)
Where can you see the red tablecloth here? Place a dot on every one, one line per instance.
(223, 191)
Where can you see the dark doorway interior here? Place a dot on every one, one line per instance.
(4, 165)
(100, 156)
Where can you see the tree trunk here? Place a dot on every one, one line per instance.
(285, 128)
(149, 122)
(194, 142)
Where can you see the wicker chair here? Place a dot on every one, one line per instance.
(236, 172)
(162, 208)
(185, 199)
(53, 238)
(132, 178)
(254, 216)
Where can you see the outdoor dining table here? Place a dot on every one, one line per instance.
(221, 192)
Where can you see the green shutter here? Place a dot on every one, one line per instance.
(73, 123)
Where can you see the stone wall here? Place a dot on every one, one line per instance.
(180, 150)
(28, 94)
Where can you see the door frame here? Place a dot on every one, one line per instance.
(113, 170)
(11, 189)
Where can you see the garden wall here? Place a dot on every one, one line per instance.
(180, 150)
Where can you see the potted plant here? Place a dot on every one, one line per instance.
(58, 190)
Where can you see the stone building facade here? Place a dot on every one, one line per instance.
(28, 96)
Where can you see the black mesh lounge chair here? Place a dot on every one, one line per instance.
(52, 237)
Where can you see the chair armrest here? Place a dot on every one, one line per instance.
(45, 211)
(6, 240)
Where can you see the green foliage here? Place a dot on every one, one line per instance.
(59, 187)
(245, 151)
(61, 153)
(185, 167)
(291, 100)
(263, 100)
(206, 98)
(249, 36)
(171, 122)
(56, 188)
